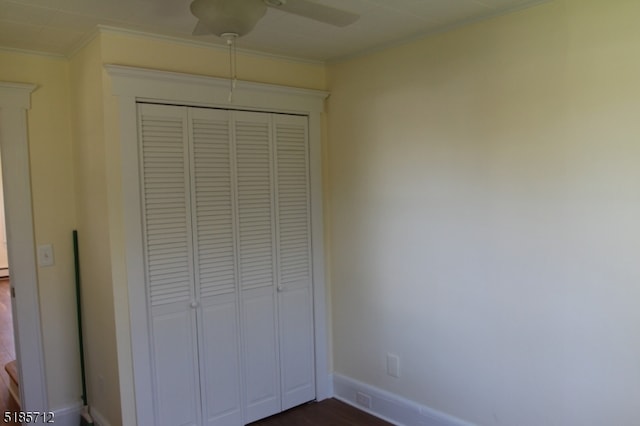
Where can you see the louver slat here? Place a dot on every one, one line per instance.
(166, 217)
(293, 204)
(214, 212)
(253, 159)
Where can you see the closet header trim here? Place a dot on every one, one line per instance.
(197, 90)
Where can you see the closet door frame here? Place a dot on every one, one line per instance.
(131, 85)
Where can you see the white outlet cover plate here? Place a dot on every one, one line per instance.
(393, 365)
(45, 255)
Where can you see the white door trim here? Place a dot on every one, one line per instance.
(130, 85)
(15, 100)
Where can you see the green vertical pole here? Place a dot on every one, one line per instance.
(76, 258)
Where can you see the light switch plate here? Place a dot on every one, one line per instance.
(45, 255)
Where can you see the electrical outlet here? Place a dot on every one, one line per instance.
(363, 399)
(393, 365)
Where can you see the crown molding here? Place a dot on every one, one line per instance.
(32, 52)
(84, 42)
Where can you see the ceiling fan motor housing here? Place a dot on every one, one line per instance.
(229, 16)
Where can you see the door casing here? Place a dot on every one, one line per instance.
(15, 100)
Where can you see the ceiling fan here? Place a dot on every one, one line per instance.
(235, 18)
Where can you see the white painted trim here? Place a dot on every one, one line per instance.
(15, 99)
(99, 419)
(68, 416)
(83, 42)
(196, 90)
(391, 407)
(33, 52)
(16, 96)
(135, 84)
(320, 299)
(133, 362)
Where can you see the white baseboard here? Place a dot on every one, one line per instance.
(385, 405)
(98, 418)
(390, 407)
(68, 416)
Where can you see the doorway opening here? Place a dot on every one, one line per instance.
(9, 382)
(15, 100)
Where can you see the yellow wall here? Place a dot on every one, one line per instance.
(93, 229)
(484, 208)
(52, 187)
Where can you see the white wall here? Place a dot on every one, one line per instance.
(485, 196)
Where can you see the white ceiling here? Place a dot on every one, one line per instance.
(60, 26)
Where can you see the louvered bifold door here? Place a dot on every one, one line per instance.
(216, 270)
(295, 300)
(164, 165)
(256, 261)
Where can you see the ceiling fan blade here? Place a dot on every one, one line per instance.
(201, 29)
(315, 11)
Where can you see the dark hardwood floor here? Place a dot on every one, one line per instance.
(7, 349)
(329, 412)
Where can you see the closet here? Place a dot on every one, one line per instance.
(228, 264)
